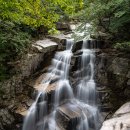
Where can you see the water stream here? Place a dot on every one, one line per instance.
(40, 117)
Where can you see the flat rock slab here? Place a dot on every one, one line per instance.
(120, 120)
(61, 39)
(22, 110)
(70, 110)
(47, 88)
(44, 45)
(68, 116)
(36, 81)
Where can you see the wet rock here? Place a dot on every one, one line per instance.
(60, 39)
(68, 116)
(101, 69)
(120, 120)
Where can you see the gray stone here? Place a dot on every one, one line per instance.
(128, 82)
(6, 119)
(46, 43)
(63, 26)
(128, 75)
(124, 109)
(120, 120)
(60, 39)
(119, 66)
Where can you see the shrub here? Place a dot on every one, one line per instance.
(13, 43)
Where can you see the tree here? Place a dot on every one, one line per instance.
(38, 12)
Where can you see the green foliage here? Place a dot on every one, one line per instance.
(30, 16)
(13, 43)
(110, 14)
(36, 13)
(125, 46)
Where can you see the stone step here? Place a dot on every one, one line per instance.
(60, 39)
(45, 45)
(96, 44)
(43, 78)
(46, 88)
(68, 115)
(22, 109)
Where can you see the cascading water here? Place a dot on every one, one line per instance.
(40, 118)
(36, 118)
(86, 90)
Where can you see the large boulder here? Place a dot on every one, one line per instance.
(120, 120)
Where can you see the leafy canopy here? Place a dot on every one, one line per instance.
(38, 12)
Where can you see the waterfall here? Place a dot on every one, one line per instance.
(40, 117)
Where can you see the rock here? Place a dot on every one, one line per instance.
(37, 48)
(101, 35)
(60, 39)
(6, 120)
(120, 120)
(128, 82)
(38, 80)
(119, 66)
(101, 69)
(128, 74)
(63, 26)
(67, 115)
(91, 44)
(72, 27)
(44, 46)
(123, 110)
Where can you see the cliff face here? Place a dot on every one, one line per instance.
(113, 75)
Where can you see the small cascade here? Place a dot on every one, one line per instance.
(86, 89)
(57, 106)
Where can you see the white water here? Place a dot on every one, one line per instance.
(37, 117)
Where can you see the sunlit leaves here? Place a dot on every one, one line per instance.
(38, 12)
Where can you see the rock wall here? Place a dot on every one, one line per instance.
(113, 75)
(14, 91)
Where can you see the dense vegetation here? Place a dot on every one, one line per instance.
(109, 16)
(20, 20)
